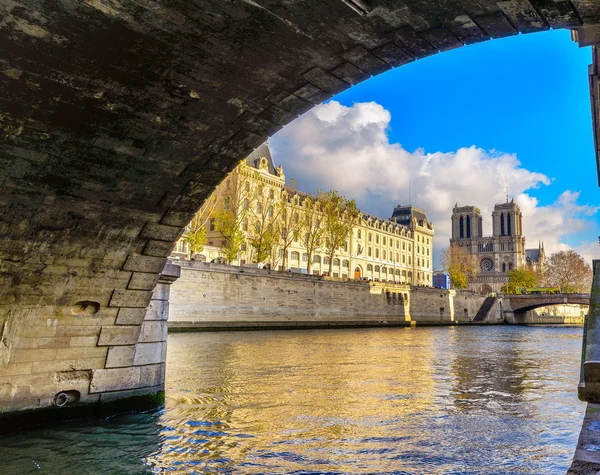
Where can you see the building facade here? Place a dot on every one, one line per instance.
(398, 249)
(494, 256)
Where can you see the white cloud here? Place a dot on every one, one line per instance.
(348, 149)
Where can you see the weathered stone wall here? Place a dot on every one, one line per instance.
(436, 305)
(220, 296)
(555, 315)
(90, 352)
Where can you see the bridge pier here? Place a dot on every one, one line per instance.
(120, 366)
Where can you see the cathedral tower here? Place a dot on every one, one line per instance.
(466, 223)
(507, 220)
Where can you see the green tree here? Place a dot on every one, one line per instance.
(459, 265)
(519, 278)
(228, 225)
(339, 216)
(569, 271)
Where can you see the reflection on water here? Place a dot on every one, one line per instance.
(473, 400)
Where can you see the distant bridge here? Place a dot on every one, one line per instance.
(524, 303)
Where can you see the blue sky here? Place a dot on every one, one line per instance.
(516, 107)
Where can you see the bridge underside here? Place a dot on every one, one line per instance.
(118, 118)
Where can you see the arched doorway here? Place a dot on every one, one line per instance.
(357, 273)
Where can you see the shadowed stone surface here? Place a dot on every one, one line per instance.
(118, 118)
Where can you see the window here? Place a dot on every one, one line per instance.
(226, 202)
(409, 260)
(461, 228)
(261, 190)
(271, 194)
(377, 239)
(403, 259)
(377, 253)
(316, 259)
(397, 244)
(383, 255)
(247, 187)
(336, 262)
(403, 246)
(212, 224)
(384, 241)
(377, 269)
(358, 234)
(270, 211)
(246, 204)
(326, 261)
(258, 208)
(370, 251)
(384, 270)
(346, 264)
(346, 246)
(295, 256)
(397, 257)
(243, 247)
(369, 267)
(245, 225)
(468, 227)
(304, 257)
(370, 237)
(281, 253)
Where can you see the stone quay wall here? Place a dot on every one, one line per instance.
(213, 296)
(433, 306)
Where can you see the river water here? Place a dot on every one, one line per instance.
(440, 400)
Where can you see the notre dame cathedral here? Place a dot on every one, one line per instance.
(494, 255)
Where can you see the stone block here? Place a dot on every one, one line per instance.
(81, 353)
(80, 341)
(161, 232)
(176, 218)
(120, 356)
(130, 298)
(153, 331)
(119, 335)
(153, 375)
(138, 263)
(159, 248)
(161, 292)
(366, 61)
(115, 379)
(66, 365)
(157, 310)
(131, 316)
(150, 353)
(392, 54)
(325, 81)
(143, 281)
(30, 355)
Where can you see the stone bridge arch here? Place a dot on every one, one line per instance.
(119, 118)
(521, 304)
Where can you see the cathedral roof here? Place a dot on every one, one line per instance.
(532, 255)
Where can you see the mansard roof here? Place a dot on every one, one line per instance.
(261, 151)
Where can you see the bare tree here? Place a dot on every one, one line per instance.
(289, 225)
(264, 214)
(569, 271)
(460, 266)
(233, 200)
(312, 235)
